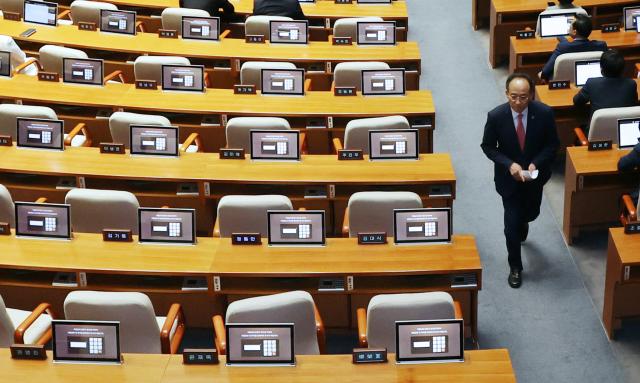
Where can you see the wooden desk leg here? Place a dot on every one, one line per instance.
(570, 187)
(614, 270)
(493, 21)
(474, 318)
(480, 14)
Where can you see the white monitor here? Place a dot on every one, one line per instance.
(40, 12)
(260, 344)
(586, 69)
(628, 132)
(86, 342)
(294, 227)
(428, 341)
(556, 24)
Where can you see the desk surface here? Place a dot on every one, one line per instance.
(560, 98)
(594, 162)
(522, 6)
(627, 246)
(215, 101)
(150, 43)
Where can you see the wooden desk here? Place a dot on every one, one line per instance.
(239, 271)
(622, 283)
(592, 189)
(508, 16)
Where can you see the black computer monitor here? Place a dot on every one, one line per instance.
(188, 78)
(426, 225)
(275, 144)
(260, 344)
(393, 144)
(283, 81)
(172, 226)
(42, 220)
(629, 15)
(201, 28)
(118, 21)
(154, 140)
(83, 71)
(77, 341)
(425, 341)
(289, 32)
(628, 132)
(556, 24)
(40, 133)
(376, 32)
(379, 82)
(295, 228)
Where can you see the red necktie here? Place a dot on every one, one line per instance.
(520, 132)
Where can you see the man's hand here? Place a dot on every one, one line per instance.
(532, 167)
(516, 172)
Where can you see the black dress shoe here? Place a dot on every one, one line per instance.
(524, 232)
(515, 279)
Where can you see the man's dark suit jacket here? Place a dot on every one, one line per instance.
(500, 144)
(630, 162)
(565, 46)
(213, 7)
(607, 92)
(288, 8)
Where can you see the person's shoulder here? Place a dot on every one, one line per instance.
(500, 109)
(539, 107)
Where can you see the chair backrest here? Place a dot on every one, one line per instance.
(10, 112)
(18, 57)
(139, 330)
(89, 11)
(51, 57)
(248, 213)
(16, 6)
(7, 208)
(150, 67)
(348, 27)
(93, 210)
(350, 73)
(384, 310)
(356, 134)
(6, 326)
(565, 65)
(259, 25)
(172, 17)
(251, 71)
(120, 122)
(238, 128)
(371, 212)
(604, 122)
(295, 307)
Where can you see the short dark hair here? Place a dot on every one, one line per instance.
(583, 25)
(612, 63)
(565, 2)
(516, 75)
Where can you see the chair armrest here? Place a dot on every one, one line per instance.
(168, 345)
(140, 26)
(26, 64)
(337, 144)
(225, 33)
(320, 330)
(629, 208)
(581, 136)
(220, 334)
(81, 127)
(216, 228)
(206, 80)
(345, 223)
(307, 85)
(65, 13)
(193, 137)
(41, 200)
(114, 74)
(457, 310)
(43, 308)
(361, 314)
(303, 143)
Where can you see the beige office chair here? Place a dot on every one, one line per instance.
(251, 71)
(172, 17)
(370, 212)
(350, 73)
(20, 63)
(376, 325)
(10, 112)
(94, 210)
(150, 67)
(237, 130)
(25, 327)
(51, 57)
(348, 27)
(295, 307)
(7, 208)
(356, 134)
(604, 124)
(565, 65)
(120, 125)
(141, 331)
(247, 213)
(259, 25)
(87, 11)
(15, 6)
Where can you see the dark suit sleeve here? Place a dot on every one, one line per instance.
(630, 161)
(299, 15)
(489, 143)
(583, 96)
(547, 71)
(227, 7)
(551, 142)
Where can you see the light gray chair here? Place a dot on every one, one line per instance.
(141, 331)
(376, 325)
(150, 67)
(350, 73)
(604, 122)
(348, 27)
(565, 65)
(370, 212)
(172, 17)
(7, 208)
(10, 112)
(251, 71)
(237, 130)
(93, 210)
(259, 25)
(25, 327)
(51, 57)
(356, 134)
(19, 61)
(247, 213)
(89, 11)
(295, 307)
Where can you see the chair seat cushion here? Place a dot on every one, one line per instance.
(36, 330)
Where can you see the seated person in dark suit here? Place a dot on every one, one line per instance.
(630, 162)
(218, 8)
(288, 8)
(580, 32)
(610, 91)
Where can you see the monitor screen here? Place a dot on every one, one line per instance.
(630, 14)
(183, 77)
(306, 1)
(283, 81)
(637, 19)
(118, 21)
(260, 343)
(167, 225)
(45, 220)
(430, 341)
(558, 24)
(201, 28)
(40, 12)
(289, 32)
(83, 71)
(587, 69)
(154, 140)
(396, 144)
(5, 63)
(40, 133)
(275, 144)
(383, 82)
(376, 32)
(292, 227)
(422, 225)
(86, 341)
(628, 132)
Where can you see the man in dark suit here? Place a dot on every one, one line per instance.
(630, 162)
(580, 32)
(288, 8)
(520, 137)
(610, 91)
(219, 8)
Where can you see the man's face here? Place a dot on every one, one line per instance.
(519, 94)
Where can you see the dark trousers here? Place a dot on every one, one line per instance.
(520, 208)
